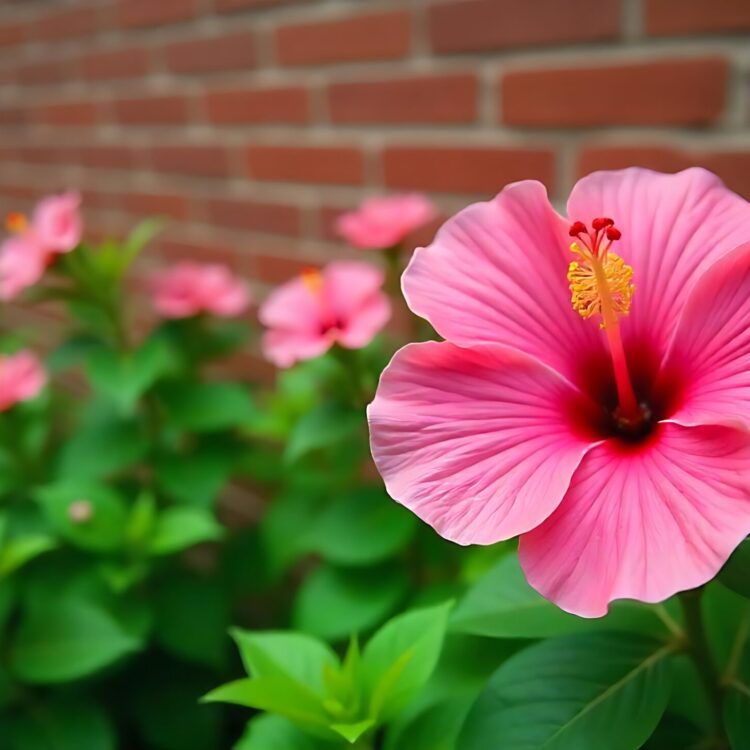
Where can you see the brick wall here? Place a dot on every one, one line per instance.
(253, 122)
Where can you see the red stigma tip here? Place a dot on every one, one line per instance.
(576, 228)
(613, 233)
(601, 223)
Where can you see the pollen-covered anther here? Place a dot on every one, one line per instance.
(312, 279)
(16, 222)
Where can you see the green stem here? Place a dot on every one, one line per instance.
(700, 652)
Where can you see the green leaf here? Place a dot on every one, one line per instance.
(322, 427)
(736, 713)
(196, 478)
(352, 732)
(192, 618)
(501, 604)
(88, 515)
(334, 603)
(736, 572)
(294, 655)
(269, 732)
(206, 407)
(137, 240)
(361, 528)
(100, 448)
(66, 640)
(63, 723)
(7, 601)
(435, 728)
(179, 528)
(123, 378)
(399, 659)
(590, 690)
(15, 553)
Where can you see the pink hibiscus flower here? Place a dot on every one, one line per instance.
(342, 304)
(380, 223)
(57, 222)
(21, 378)
(189, 289)
(617, 447)
(23, 260)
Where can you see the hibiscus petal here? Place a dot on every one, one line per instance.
(285, 347)
(476, 442)
(347, 285)
(496, 273)
(365, 323)
(673, 228)
(711, 347)
(643, 523)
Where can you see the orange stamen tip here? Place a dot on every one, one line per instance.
(312, 279)
(16, 222)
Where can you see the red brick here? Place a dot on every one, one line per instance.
(674, 17)
(39, 154)
(140, 13)
(13, 116)
(75, 113)
(106, 157)
(73, 22)
(450, 98)
(132, 62)
(256, 216)
(231, 6)
(46, 71)
(259, 105)
(177, 250)
(477, 25)
(382, 36)
(273, 269)
(196, 160)
(465, 170)
(661, 92)
(12, 34)
(325, 164)
(156, 204)
(213, 54)
(152, 110)
(732, 166)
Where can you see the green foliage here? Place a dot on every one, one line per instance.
(583, 690)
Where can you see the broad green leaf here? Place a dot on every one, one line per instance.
(88, 515)
(192, 618)
(67, 640)
(101, 447)
(677, 732)
(206, 407)
(501, 604)
(321, 427)
(274, 693)
(588, 690)
(196, 479)
(178, 528)
(63, 723)
(361, 528)
(7, 601)
(141, 519)
(334, 603)
(137, 240)
(16, 552)
(399, 659)
(295, 655)
(736, 573)
(435, 728)
(353, 731)
(269, 732)
(125, 377)
(736, 713)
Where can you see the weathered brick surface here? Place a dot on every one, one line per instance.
(252, 124)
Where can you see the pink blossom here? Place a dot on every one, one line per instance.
(342, 304)
(21, 378)
(380, 223)
(189, 289)
(617, 447)
(23, 260)
(57, 222)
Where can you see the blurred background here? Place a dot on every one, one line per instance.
(252, 123)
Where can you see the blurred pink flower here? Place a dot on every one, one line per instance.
(23, 260)
(189, 288)
(380, 223)
(619, 453)
(21, 378)
(57, 222)
(342, 304)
